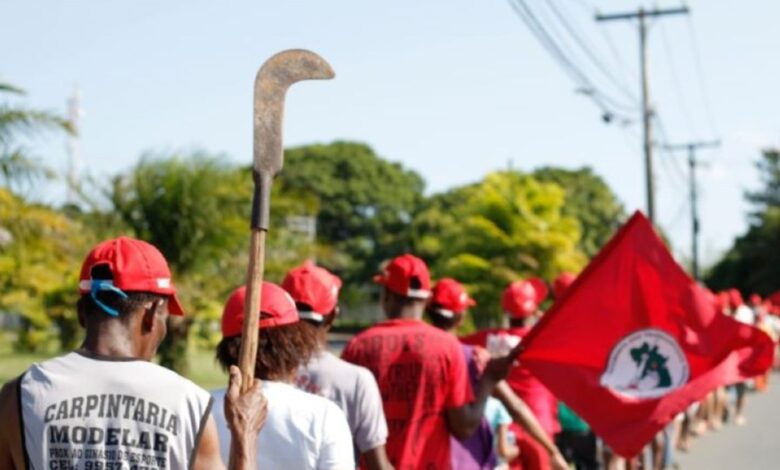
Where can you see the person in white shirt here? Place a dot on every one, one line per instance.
(315, 291)
(106, 405)
(303, 431)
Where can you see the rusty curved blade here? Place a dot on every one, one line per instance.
(271, 84)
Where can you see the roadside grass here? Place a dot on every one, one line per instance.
(204, 370)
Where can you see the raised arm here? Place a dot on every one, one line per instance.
(522, 415)
(464, 420)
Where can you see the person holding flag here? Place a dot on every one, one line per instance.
(421, 372)
(447, 310)
(520, 301)
(315, 291)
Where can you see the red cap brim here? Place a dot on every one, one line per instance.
(174, 306)
(380, 279)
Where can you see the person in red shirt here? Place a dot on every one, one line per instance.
(446, 310)
(421, 372)
(520, 302)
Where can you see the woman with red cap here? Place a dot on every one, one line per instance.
(521, 300)
(303, 430)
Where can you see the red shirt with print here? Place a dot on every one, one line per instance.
(421, 372)
(538, 398)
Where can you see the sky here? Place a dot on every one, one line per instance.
(452, 89)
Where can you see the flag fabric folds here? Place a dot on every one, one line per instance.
(635, 341)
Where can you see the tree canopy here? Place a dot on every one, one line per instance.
(506, 227)
(590, 201)
(365, 203)
(752, 264)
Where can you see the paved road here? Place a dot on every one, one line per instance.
(755, 446)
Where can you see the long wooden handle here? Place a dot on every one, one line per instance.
(254, 281)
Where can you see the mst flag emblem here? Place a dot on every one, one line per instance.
(634, 341)
(646, 364)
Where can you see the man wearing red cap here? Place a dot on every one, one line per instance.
(303, 431)
(446, 310)
(106, 405)
(315, 291)
(421, 372)
(521, 300)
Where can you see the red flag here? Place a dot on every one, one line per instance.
(635, 341)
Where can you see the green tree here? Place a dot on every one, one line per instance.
(365, 203)
(506, 227)
(17, 165)
(590, 201)
(752, 264)
(195, 209)
(40, 254)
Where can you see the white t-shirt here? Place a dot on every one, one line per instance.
(86, 411)
(354, 390)
(745, 315)
(303, 431)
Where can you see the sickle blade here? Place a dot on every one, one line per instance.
(271, 84)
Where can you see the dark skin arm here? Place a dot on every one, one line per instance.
(464, 421)
(245, 415)
(11, 456)
(376, 459)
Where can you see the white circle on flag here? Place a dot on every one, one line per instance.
(646, 364)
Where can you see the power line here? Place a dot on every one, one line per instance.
(700, 76)
(642, 15)
(681, 101)
(602, 99)
(695, 226)
(664, 141)
(588, 50)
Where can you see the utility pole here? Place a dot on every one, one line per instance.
(647, 113)
(692, 147)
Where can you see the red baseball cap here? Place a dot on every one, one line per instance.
(735, 298)
(136, 266)
(562, 283)
(520, 299)
(277, 308)
(450, 298)
(314, 286)
(755, 299)
(406, 275)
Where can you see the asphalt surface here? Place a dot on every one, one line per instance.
(754, 446)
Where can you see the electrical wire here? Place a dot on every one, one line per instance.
(554, 49)
(700, 77)
(681, 101)
(588, 51)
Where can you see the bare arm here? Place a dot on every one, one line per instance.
(464, 420)
(11, 452)
(245, 415)
(376, 459)
(506, 450)
(207, 456)
(523, 416)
